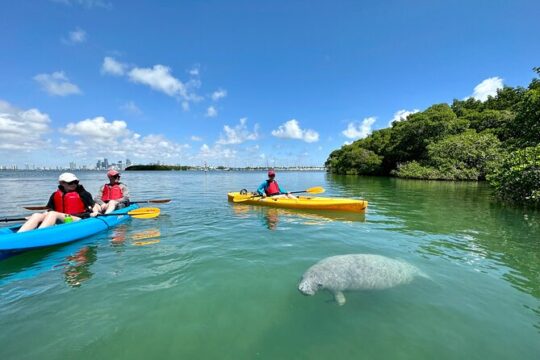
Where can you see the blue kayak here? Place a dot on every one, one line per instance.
(11, 241)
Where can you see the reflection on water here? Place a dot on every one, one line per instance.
(141, 238)
(272, 216)
(78, 270)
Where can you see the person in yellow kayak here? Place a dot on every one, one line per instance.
(271, 188)
(112, 196)
(70, 202)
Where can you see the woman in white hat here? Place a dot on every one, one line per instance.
(69, 199)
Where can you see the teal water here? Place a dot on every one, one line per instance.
(210, 279)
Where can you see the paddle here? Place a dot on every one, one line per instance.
(153, 201)
(141, 213)
(313, 190)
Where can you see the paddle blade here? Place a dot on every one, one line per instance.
(316, 190)
(154, 201)
(144, 213)
(160, 201)
(35, 207)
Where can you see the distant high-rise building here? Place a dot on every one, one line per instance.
(120, 165)
(72, 166)
(98, 165)
(105, 163)
(128, 162)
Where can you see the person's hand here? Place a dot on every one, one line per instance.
(263, 195)
(94, 214)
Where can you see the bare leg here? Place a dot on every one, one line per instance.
(111, 206)
(52, 217)
(33, 222)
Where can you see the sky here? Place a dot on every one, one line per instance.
(242, 83)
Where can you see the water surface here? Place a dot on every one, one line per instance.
(210, 279)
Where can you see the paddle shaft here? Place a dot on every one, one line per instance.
(154, 201)
(6, 219)
(315, 190)
(12, 219)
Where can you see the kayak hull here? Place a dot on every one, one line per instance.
(11, 241)
(304, 202)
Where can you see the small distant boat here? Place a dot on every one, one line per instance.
(303, 202)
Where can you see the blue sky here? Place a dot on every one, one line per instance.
(241, 83)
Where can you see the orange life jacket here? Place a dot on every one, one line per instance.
(272, 188)
(68, 203)
(113, 192)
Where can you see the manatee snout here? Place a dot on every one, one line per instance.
(307, 287)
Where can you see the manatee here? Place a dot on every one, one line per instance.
(356, 272)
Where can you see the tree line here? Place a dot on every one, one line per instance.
(497, 140)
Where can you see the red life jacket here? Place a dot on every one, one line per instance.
(272, 188)
(68, 203)
(113, 192)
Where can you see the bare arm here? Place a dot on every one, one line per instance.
(99, 194)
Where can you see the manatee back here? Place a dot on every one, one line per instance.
(363, 271)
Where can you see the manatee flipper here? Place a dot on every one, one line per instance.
(340, 298)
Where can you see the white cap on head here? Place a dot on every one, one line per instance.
(67, 177)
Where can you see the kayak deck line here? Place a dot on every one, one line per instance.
(303, 202)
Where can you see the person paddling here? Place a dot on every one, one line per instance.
(112, 196)
(71, 202)
(271, 188)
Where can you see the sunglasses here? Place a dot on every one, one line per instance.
(116, 177)
(74, 182)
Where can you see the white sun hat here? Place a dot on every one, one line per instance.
(67, 177)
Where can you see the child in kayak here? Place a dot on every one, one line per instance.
(71, 201)
(271, 188)
(112, 196)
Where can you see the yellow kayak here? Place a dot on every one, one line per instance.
(303, 202)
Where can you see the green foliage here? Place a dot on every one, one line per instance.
(464, 141)
(518, 178)
(525, 130)
(468, 156)
(494, 121)
(409, 139)
(415, 170)
(354, 160)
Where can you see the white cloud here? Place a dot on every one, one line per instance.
(57, 83)
(196, 138)
(113, 67)
(219, 94)
(194, 71)
(359, 131)
(77, 36)
(486, 88)
(238, 134)
(158, 78)
(98, 129)
(99, 137)
(131, 108)
(211, 112)
(402, 115)
(291, 130)
(22, 129)
(216, 152)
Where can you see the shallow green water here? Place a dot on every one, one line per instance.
(213, 280)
